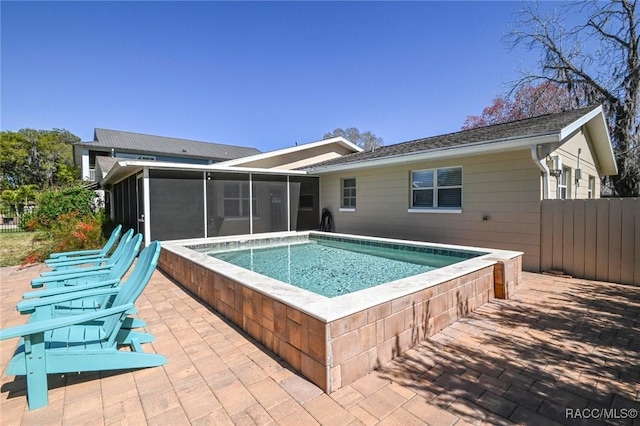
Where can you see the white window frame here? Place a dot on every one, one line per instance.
(435, 188)
(591, 187)
(564, 184)
(348, 207)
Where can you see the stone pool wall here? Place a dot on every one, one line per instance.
(334, 354)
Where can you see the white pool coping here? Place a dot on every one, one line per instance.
(330, 309)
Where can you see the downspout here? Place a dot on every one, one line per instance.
(542, 164)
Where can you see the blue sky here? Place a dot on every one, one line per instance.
(255, 74)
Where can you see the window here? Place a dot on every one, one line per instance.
(135, 156)
(236, 199)
(306, 196)
(348, 193)
(591, 189)
(437, 188)
(564, 184)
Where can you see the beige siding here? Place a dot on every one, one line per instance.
(505, 187)
(569, 153)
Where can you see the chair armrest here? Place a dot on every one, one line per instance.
(47, 325)
(75, 271)
(75, 262)
(69, 289)
(27, 306)
(59, 261)
(63, 254)
(60, 278)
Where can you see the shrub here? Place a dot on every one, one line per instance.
(57, 202)
(69, 232)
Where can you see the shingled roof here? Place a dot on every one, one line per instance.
(142, 143)
(537, 126)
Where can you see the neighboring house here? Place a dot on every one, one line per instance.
(480, 187)
(117, 144)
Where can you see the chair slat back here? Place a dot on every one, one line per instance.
(113, 239)
(125, 261)
(119, 251)
(133, 287)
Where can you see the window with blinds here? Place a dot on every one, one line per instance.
(436, 188)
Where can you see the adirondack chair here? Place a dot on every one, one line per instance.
(76, 265)
(79, 281)
(103, 252)
(130, 248)
(64, 301)
(80, 343)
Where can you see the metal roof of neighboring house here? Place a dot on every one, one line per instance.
(548, 124)
(142, 143)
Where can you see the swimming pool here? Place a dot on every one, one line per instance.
(333, 341)
(332, 267)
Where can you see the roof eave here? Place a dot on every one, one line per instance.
(339, 140)
(125, 168)
(601, 141)
(442, 153)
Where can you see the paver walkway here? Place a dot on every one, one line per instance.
(558, 344)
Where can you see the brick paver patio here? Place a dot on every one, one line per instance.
(558, 344)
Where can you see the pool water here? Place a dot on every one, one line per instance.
(334, 268)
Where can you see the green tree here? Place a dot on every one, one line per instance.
(43, 158)
(11, 198)
(598, 60)
(56, 202)
(17, 199)
(365, 140)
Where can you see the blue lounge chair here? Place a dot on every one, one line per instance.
(103, 252)
(74, 300)
(79, 343)
(100, 278)
(128, 247)
(77, 265)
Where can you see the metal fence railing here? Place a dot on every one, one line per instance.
(9, 221)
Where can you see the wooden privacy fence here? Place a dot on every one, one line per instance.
(592, 239)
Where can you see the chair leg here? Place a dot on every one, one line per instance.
(36, 374)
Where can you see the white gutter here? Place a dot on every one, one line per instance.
(546, 177)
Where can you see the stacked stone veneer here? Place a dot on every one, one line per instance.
(334, 354)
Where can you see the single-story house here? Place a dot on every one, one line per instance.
(479, 187)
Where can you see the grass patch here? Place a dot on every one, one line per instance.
(14, 246)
